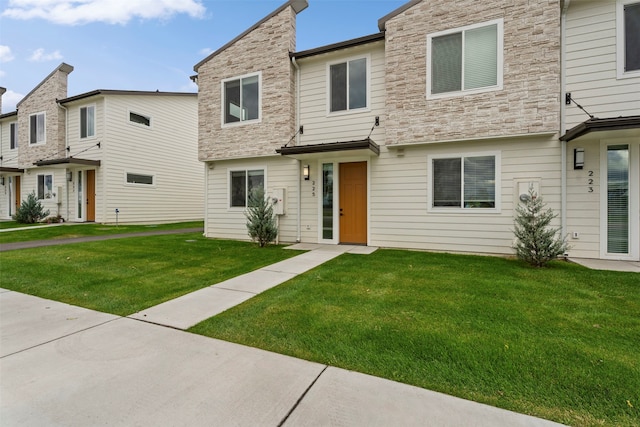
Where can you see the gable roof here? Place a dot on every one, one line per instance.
(297, 5)
(382, 22)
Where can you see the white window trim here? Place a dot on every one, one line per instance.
(463, 210)
(95, 122)
(263, 168)
(140, 125)
(500, 60)
(634, 202)
(139, 184)
(620, 41)
(222, 99)
(366, 108)
(53, 187)
(44, 141)
(15, 126)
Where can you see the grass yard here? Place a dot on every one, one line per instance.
(69, 231)
(124, 276)
(561, 343)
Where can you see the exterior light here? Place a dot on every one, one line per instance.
(69, 176)
(306, 172)
(578, 158)
(1, 180)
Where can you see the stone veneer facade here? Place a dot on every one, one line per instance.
(266, 49)
(43, 99)
(529, 101)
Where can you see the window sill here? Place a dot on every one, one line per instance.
(348, 112)
(461, 94)
(240, 124)
(463, 211)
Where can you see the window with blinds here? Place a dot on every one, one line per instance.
(464, 182)
(618, 199)
(632, 37)
(465, 60)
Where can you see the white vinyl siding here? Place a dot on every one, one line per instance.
(314, 99)
(591, 70)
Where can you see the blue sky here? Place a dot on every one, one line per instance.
(149, 44)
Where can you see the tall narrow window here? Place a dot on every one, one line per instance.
(80, 194)
(242, 99)
(87, 122)
(37, 128)
(466, 59)
(632, 37)
(618, 199)
(348, 85)
(13, 135)
(327, 201)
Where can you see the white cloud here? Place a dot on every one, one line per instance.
(40, 56)
(75, 12)
(206, 51)
(5, 54)
(9, 101)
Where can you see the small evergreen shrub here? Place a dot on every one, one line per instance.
(30, 210)
(537, 243)
(261, 222)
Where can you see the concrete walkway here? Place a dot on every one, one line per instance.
(69, 366)
(63, 365)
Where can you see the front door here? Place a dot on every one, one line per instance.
(353, 203)
(90, 189)
(16, 192)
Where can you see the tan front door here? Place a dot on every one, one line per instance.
(353, 203)
(16, 188)
(91, 195)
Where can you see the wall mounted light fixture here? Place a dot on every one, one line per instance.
(306, 172)
(1, 180)
(69, 176)
(578, 158)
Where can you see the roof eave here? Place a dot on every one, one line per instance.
(599, 125)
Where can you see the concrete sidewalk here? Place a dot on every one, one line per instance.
(67, 366)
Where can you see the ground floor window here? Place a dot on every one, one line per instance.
(618, 199)
(45, 187)
(242, 184)
(465, 182)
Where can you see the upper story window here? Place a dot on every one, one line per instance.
(87, 121)
(138, 178)
(465, 60)
(139, 119)
(13, 135)
(348, 85)
(465, 181)
(628, 38)
(37, 133)
(241, 98)
(242, 184)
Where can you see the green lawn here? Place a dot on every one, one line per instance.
(124, 276)
(68, 231)
(561, 343)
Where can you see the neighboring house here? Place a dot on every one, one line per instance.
(425, 135)
(105, 155)
(602, 75)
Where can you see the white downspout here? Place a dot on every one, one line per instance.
(563, 179)
(206, 197)
(299, 207)
(66, 146)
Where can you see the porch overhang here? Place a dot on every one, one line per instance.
(361, 147)
(11, 170)
(631, 124)
(68, 161)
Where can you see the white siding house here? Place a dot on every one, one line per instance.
(426, 134)
(602, 125)
(107, 155)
